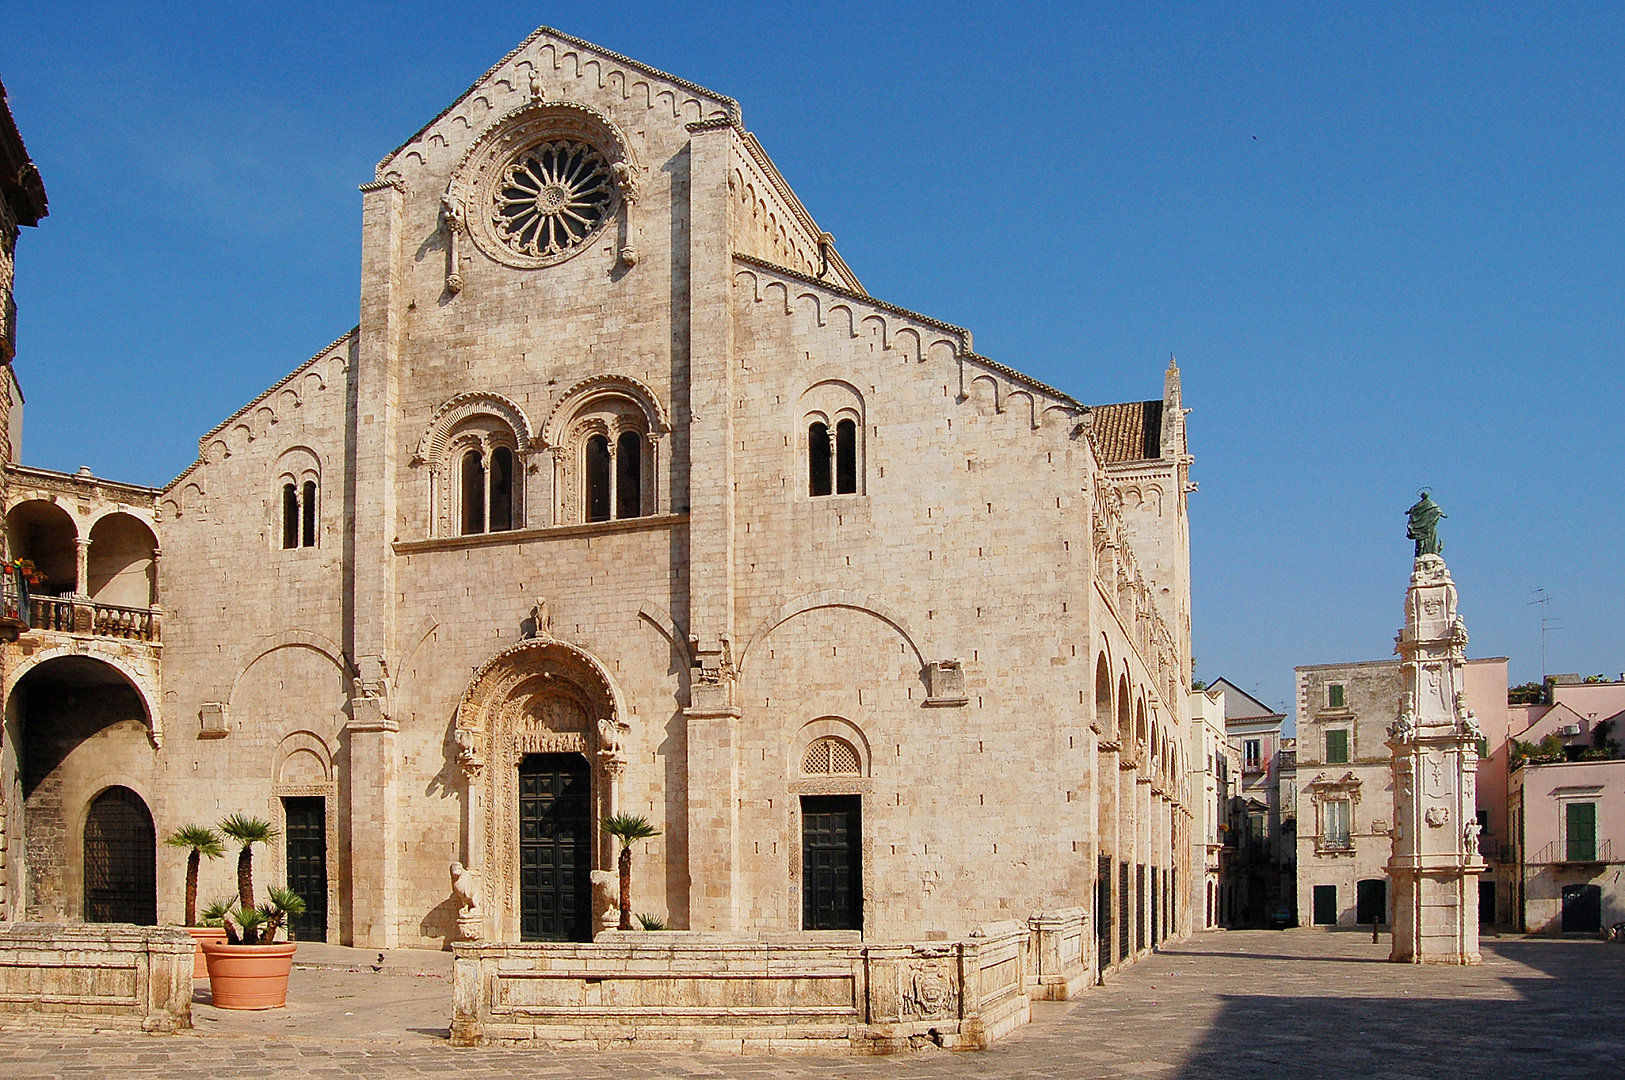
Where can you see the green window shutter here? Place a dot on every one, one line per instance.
(1337, 748)
(1335, 695)
(1581, 831)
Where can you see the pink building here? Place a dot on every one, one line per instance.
(1566, 806)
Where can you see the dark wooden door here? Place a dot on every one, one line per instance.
(1325, 897)
(1122, 910)
(1103, 912)
(555, 848)
(1370, 901)
(307, 865)
(1582, 909)
(831, 862)
(121, 860)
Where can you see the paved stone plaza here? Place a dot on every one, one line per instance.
(1227, 1005)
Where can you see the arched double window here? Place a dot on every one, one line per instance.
(605, 439)
(832, 416)
(832, 463)
(613, 471)
(298, 514)
(475, 449)
(299, 494)
(486, 476)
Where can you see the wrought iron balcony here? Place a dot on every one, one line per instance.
(1575, 853)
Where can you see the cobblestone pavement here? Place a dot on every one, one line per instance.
(1227, 1005)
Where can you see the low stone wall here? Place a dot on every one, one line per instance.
(713, 992)
(108, 974)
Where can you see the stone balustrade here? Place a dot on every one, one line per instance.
(70, 615)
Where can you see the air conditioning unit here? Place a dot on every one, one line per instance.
(1569, 731)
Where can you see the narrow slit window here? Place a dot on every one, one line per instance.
(290, 516)
(846, 457)
(501, 489)
(598, 475)
(307, 537)
(473, 493)
(818, 463)
(629, 475)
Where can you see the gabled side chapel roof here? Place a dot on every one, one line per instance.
(1131, 431)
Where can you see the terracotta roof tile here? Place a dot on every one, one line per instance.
(1131, 431)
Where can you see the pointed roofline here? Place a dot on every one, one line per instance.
(265, 394)
(726, 102)
(1267, 713)
(966, 350)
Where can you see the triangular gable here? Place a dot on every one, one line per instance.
(1553, 718)
(569, 52)
(1240, 705)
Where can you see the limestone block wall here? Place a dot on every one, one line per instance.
(256, 680)
(463, 604)
(721, 994)
(1371, 699)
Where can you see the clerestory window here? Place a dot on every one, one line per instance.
(300, 513)
(832, 463)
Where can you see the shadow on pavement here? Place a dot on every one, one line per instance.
(1546, 1009)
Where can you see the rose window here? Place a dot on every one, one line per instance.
(552, 198)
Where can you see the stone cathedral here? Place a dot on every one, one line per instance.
(623, 497)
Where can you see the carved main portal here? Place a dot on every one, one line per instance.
(537, 697)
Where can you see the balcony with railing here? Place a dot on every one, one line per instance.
(14, 606)
(74, 615)
(1575, 852)
(82, 558)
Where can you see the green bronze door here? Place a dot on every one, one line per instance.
(831, 862)
(555, 854)
(306, 817)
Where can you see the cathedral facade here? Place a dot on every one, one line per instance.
(623, 497)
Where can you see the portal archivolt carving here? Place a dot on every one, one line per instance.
(537, 697)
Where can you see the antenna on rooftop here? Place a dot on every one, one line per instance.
(1547, 624)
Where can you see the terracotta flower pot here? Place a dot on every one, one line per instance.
(249, 976)
(200, 934)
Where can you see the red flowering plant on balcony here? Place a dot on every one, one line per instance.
(26, 570)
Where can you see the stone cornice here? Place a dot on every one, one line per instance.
(77, 483)
(549, 532)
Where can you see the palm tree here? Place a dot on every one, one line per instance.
(247, 831)
(201, 840)
(628, 828)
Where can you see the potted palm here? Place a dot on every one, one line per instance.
(249, 970)
(628, 829)
(199, 841)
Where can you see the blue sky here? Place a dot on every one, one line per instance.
(1384, 241)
